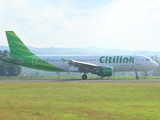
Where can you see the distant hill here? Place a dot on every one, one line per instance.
(87, 50)
(4, 48)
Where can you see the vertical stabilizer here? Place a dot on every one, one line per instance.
(16, 46)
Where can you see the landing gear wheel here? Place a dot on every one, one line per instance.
(137, 77)
(84, 77)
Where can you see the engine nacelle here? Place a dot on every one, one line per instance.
(104, 71)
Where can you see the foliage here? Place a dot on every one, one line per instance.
(8, 69)
(156, 72)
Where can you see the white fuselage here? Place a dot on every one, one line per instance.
(117, 62)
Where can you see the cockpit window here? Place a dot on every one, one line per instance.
(148, 59)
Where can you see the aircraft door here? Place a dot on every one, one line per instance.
(34, 60)
(137, 60)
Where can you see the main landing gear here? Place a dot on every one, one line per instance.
(84, 77)
(137, 77)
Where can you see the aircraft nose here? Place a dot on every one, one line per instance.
(155, 65)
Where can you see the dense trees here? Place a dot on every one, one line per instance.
(156, 72)
(8, 69)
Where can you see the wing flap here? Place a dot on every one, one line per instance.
(74, 62)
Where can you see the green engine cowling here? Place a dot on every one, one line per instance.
(104, 71)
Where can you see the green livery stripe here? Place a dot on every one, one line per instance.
(18, 43)
(23, 50)
(19, 51)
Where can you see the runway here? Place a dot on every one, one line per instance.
(95, 81)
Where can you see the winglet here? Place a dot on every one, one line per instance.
(64, 60)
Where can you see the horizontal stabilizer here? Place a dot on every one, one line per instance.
(13, 60)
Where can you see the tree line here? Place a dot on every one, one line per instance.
(8, 69)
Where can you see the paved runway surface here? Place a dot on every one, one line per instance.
(96, 81)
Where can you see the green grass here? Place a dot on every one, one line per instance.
(84, 101)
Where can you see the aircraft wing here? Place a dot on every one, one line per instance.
(83, 66)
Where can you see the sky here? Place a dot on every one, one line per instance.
(115, 24)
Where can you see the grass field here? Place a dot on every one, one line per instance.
(84, 101)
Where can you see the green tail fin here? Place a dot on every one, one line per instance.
(16, 46)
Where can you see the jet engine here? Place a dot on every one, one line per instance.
(104, 71)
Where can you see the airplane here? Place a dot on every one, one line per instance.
(101, 65)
